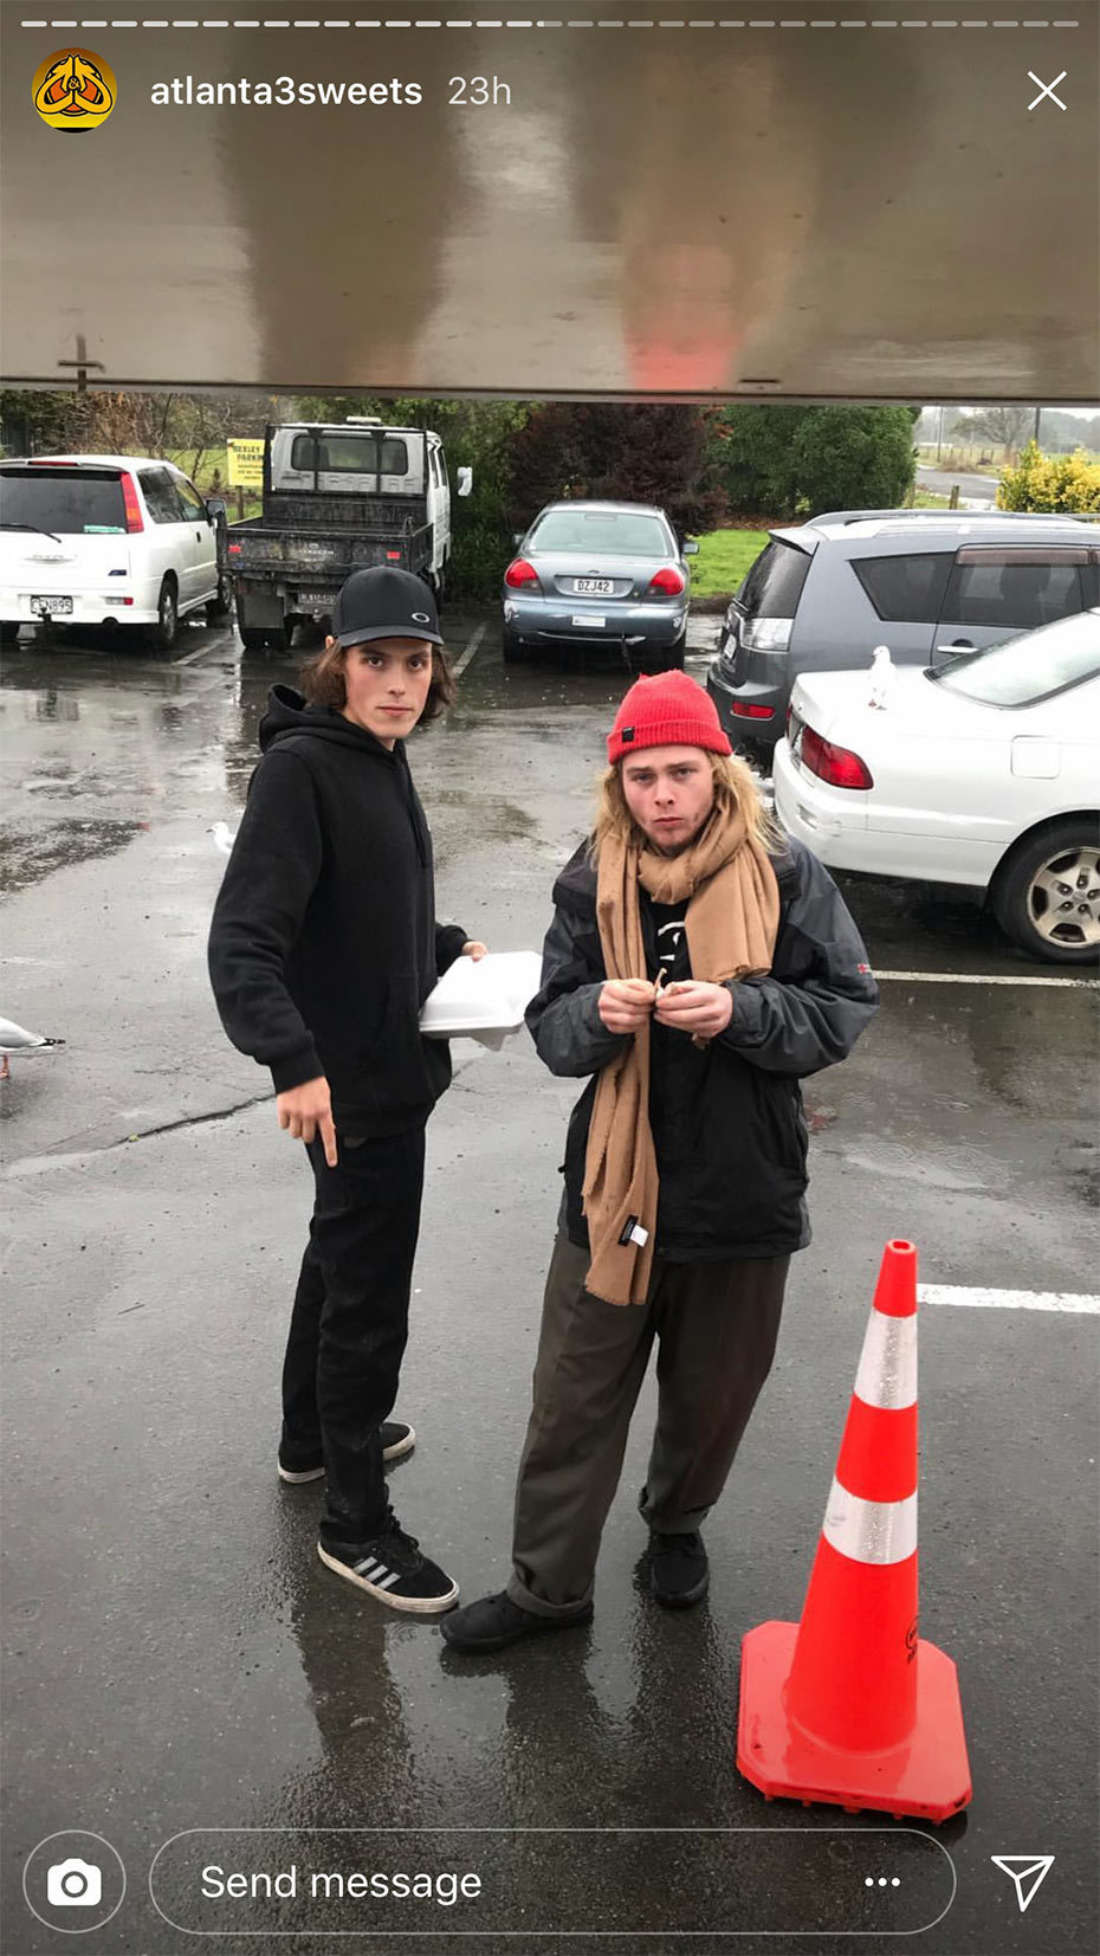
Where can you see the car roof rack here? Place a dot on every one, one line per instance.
(960, 515)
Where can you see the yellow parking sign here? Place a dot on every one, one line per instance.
(246, 464)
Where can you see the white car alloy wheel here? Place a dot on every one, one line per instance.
(1063, 900)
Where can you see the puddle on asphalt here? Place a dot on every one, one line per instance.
(27, 857)
(495, 818)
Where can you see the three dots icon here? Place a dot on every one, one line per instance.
(869, 1881)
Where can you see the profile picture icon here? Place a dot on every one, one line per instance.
(74, 1884)
(74, 90)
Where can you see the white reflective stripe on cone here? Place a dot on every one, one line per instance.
(870, 1531)
(887, 1373)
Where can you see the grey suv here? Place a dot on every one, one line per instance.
(930, 584)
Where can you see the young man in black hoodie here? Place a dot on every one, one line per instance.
(323, 948)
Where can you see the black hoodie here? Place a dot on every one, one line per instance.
(324, 944)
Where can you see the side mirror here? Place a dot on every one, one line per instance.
(465, 481)
(518, 536)
(215, 509)
(689, 549)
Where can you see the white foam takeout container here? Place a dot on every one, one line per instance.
(485, 1000)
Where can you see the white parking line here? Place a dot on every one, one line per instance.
(980, 978)
(190, 657)
(476, 637)
(1078, 1302)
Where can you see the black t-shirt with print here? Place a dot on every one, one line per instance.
(674, 961)
(672, 949)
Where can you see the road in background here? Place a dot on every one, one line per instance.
(975, 491)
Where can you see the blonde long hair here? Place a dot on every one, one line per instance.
(735, 787)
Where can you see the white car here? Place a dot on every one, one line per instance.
(98, 540)
(984, 771)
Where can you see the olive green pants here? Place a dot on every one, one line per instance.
(716, 1325)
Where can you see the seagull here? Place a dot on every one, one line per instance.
(15, 1039)
(883, 675)
(224, 837)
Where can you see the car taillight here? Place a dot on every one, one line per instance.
(134, 520)
(233, 550)
(766, 634)
(393, 556)
(521, 573)
(838, 766)
(748, 710)
(668, 581)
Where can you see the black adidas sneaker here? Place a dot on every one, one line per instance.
(392, 1569)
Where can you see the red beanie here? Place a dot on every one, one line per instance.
(669, 710)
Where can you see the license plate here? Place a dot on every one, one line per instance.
(317, 600)
(593, 587)
(46, 607)
(590, 622)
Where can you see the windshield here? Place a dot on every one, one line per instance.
(612, 532)
(1030, 667)
(68, 502)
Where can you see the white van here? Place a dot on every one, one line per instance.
(106, 540)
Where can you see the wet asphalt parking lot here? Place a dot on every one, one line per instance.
(177, 1659)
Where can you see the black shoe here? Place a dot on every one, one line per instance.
(494, 1621)
(678, 1572)
(392, 1569)
(397, 1439)
(296, 1468)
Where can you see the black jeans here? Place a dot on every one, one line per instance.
(350, 1323)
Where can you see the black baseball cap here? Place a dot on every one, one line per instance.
(384, 603)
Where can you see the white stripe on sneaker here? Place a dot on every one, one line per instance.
(384, 1584)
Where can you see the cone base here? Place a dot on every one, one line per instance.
(928, 1775)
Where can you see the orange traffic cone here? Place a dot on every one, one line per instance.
(851, 1706)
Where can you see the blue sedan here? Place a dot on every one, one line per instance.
(604, 574)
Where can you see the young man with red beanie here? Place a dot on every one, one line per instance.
(697, 967)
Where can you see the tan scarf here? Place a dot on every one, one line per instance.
(732, 919)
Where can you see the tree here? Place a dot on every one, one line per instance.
(644, 453)
(776, 460)
(854, 458)
(1005, 427)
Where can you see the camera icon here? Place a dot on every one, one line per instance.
(74, 1884)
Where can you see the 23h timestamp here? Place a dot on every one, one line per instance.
(478, 92)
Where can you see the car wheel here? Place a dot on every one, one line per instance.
(217, 609)
(251, 639)
(9, 631)
(512, 650)
(1047, 895)
(279, 637)
(166, 630)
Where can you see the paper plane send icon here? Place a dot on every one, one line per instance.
(1028, 1871)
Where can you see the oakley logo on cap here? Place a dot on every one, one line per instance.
(421, 617)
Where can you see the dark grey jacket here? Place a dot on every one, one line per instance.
(727, 1118)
